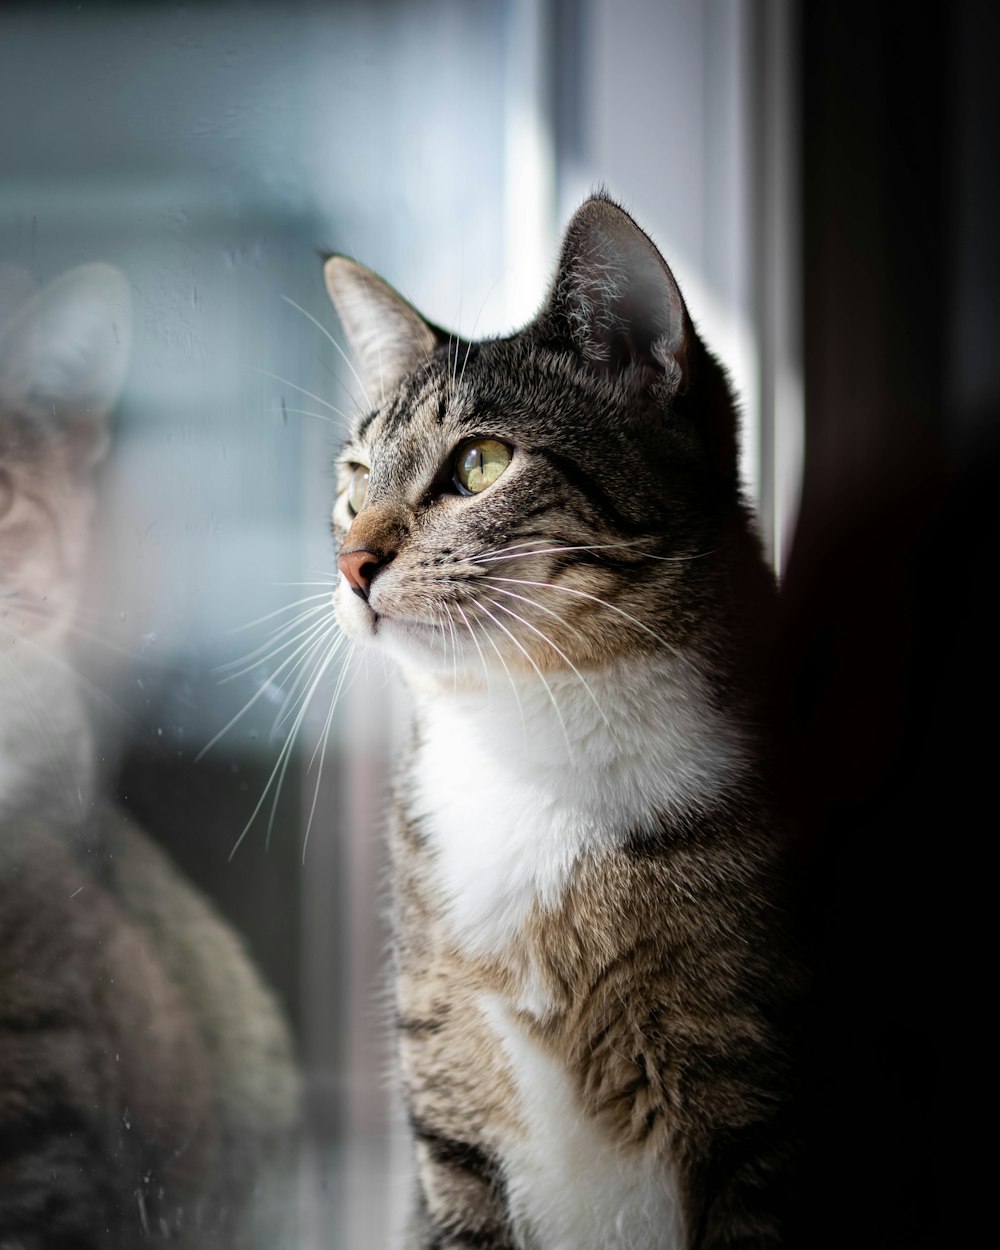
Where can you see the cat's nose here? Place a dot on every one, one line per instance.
(359, 567)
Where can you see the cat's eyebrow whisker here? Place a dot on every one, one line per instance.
(344, 356)
(305, 412)
(545, 638)
(458, 337)
(528, 656)
(475, 324)
(302, 391)
(583, 594)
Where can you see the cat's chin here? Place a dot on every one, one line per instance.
(418, 647)
(357, 620)
(410, 642)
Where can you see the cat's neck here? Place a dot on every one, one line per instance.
(640, 735)
(515, 785)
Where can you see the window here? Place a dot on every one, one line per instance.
(211, 154)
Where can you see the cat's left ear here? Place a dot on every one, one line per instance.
(387, 335)
(615, 300)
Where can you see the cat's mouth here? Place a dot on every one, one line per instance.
(357, 617)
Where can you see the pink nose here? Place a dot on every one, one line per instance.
(359, 567)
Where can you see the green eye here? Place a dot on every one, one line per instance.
(357, 489)
(479, 463)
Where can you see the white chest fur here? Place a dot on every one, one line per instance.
(567, 1186)
(512, 794)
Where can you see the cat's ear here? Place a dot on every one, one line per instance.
(387, 335)
(615, 300)
(63, 355)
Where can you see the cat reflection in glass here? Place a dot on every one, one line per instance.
(147, 1088)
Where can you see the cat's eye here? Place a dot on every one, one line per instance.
(357, 489)
(479, 463)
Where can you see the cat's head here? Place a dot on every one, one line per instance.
(554, 498)
(63, 352)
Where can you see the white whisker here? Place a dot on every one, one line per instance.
(510, 678)
(559, 548)
(583, 594)
(475, 324)
(301, 680)
(475, 640)
(303, 639)
(283, 755)
(274, 646)
(302, 390)
(344, 356)
(277, 612)
(304, 412)
(245, 708)
(527, 655)
(545, 638)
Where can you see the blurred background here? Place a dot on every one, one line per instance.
(818, 180)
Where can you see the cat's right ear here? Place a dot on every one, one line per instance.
(615, 302)
(387, 335)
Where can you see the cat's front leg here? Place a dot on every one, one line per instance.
(460, 1200)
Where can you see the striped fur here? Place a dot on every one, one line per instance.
(592, 969)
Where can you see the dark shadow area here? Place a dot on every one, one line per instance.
(887, 631)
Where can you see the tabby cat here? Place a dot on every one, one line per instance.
(147, 1089)
(592, 969)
